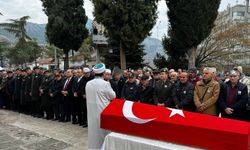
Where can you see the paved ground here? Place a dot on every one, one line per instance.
(22, 132)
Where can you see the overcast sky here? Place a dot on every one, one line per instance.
(12, 9)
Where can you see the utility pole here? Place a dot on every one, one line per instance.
(247, 10)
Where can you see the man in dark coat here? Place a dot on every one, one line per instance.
(155, 78)
(117, 83)
(248, 109)
(3, 96)
(145, 91)
(76, 102)
(17, 89)
(46, 104)
(163, 89)
(29, 105)
(193, 77)
(183, 93)
(10, 90)
(130, 88)
(23, 103)
(234, 98)
(56, 95)
(86, 78)
(35, 93)
(67, 96)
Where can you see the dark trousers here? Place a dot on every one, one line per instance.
(76, 110)
(84, 110)
(56, 107)
(16, 104)
(31, 107)
(38, 109)
(10, 102)
(66, 108)
(49, 111)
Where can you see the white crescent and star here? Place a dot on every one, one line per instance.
(128, 114)
(176, 112)
(127, 111)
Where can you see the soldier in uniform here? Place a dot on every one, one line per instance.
(10, 90)
(130, 88)
(29, 107)
(46, 104)
(2, 90)
(162, 91)
(145, 91)
(35, 93)
(17, 89)
(22, 94)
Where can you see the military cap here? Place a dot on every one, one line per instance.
(144, 77)
(27, 68)
(155, 71)
(164, 70)
(36, 67)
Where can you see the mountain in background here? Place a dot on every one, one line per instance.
(152, 46)
(35, 31)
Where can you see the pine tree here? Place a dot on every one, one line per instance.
(127, 23)
(66, 24)
(191, 21)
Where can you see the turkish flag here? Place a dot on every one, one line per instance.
(177, 126)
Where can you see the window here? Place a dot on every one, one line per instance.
(239, 13)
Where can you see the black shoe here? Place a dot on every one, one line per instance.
(39, 116)
(54, 119)
(74, 122)
(85, 125)
(67, 120)
(81, 123)
(49, 118)
(61, 120)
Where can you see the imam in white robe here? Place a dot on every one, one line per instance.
(98, 95)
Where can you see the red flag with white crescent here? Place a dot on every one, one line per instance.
(175, 126)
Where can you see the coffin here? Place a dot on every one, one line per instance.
(177, 126)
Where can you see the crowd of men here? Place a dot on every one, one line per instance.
(60, 95)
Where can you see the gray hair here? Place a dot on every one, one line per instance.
(210, 69)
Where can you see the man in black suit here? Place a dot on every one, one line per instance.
(17, 89)
(55, 94)
(87, 77)
(35, 92)
(67, 96)
(78, 98)
(9, 90)
(46, 104)
(29, 106)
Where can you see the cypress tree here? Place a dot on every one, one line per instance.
(66, 24)
(191, 21)
(127, 23)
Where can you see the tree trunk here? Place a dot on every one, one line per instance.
(191, 57)
(97, 54)
(122, 57)
(66, 61)
(58, 63)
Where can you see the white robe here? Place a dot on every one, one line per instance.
(98, 95)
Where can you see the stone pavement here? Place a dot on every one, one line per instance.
(23, 132)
